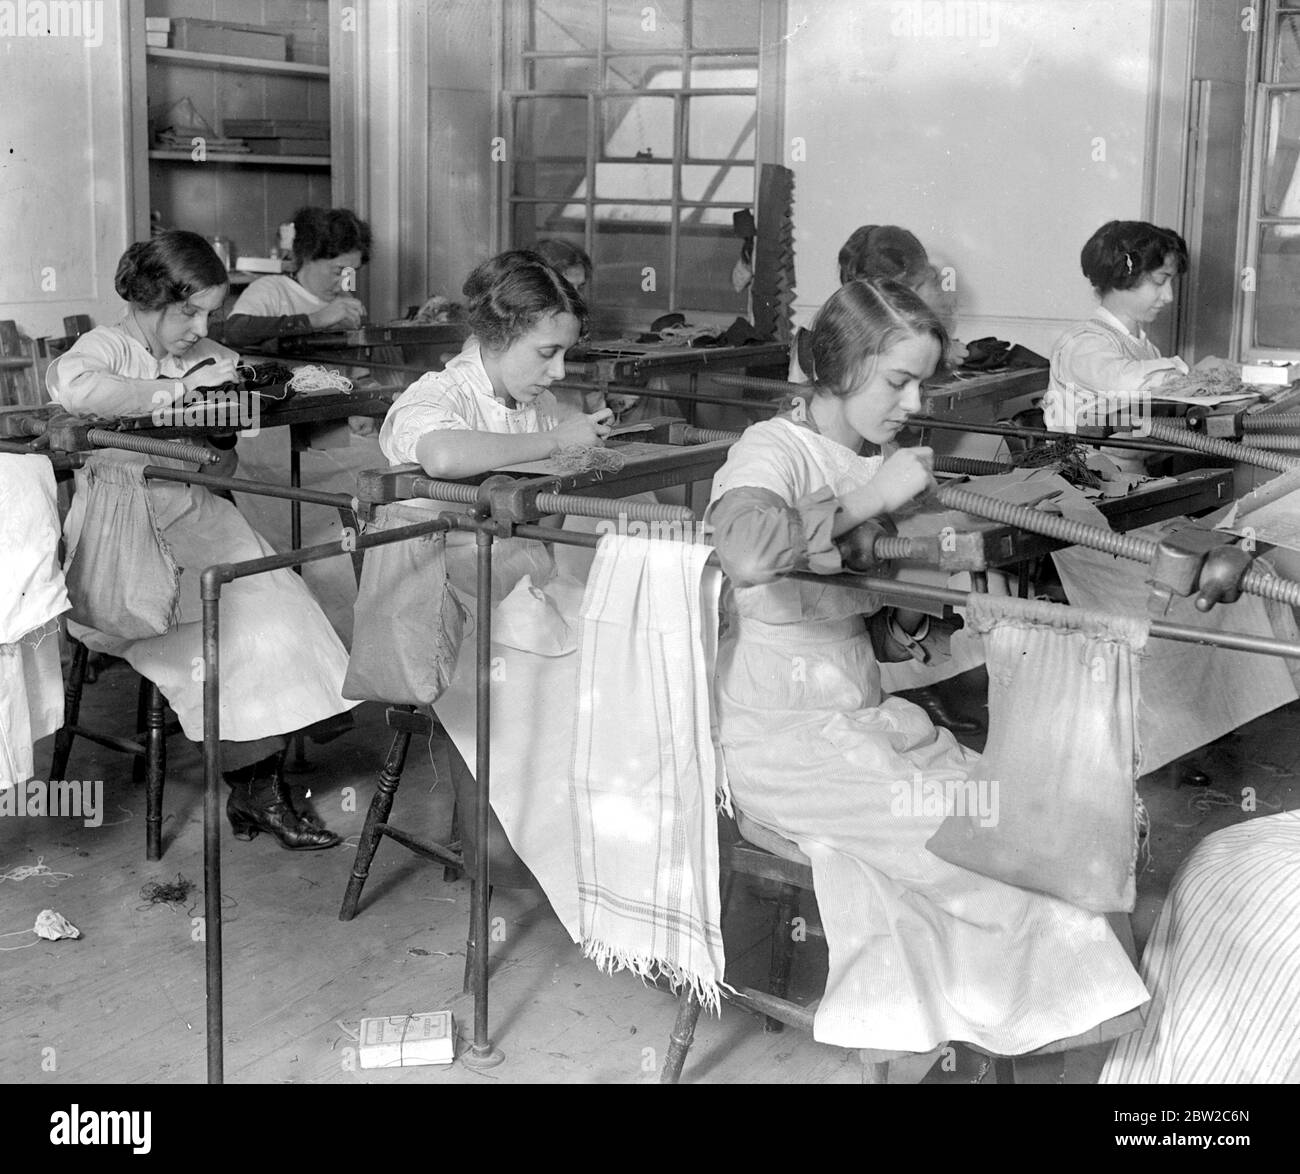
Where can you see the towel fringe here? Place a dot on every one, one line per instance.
(611, 959)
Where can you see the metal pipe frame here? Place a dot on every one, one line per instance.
(482, 1054)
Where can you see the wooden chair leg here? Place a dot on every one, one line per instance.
(71, 710)
(683, 1035)
(377, 816)
(874, 1071)
(787, 909)
(155, 766)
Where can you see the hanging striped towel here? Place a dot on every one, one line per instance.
(647, 770)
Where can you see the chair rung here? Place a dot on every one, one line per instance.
(124, 745)
(425, 848)
(762, 1003)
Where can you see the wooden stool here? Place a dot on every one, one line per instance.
(148, 747)
(760, 852)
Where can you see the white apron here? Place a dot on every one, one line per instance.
(921, 952)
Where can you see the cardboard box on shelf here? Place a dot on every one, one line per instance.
(259, 265)
(230, 40)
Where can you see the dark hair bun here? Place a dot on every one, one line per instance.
(321, 234)
(157, 273)
(1122, 252)
(509, 293)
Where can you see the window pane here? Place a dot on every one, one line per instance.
(551, 126)
(631, 26)
(718, 184)
(724, 24)
(723, 73)
(1277, 291)
(704, 266)
(637, 128)
(563, 73)
(531, 222)
(627, 260)
(1287, 68)
(721, 127)
(547, 178)
(643, 73)
(634, 181)
(565, 24)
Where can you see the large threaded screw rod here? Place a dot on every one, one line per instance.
(177, 450)
(1142, 550)
(1222, 448)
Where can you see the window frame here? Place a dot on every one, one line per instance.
(1256, 219)
(768, 136)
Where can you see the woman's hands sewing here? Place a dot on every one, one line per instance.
(583, 429)
(904, 475)
(342, 313)
(212, 374)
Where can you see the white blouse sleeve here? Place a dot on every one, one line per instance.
(1089, 360)
(428, 405)
(86, 382)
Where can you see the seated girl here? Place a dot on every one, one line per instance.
(1107, 362)
(490, 407)
(281, 664)
(876, 253)
(921, 952)
(569, 261)
(329, 246)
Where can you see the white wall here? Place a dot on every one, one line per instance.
(1002, 144)
(413, 95)
(64, 214)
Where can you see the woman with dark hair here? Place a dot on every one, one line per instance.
(329, 246)
(569, 261)
(921, 951)
(491, 405)
(879, 253)
(282, 664)
(1104, 363)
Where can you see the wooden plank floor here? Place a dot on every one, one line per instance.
(125, 1004)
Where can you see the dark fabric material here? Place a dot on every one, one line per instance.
(408, 621)
(241, 756)
(122, 580)
(249, 330)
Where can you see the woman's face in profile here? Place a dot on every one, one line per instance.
(182, 324)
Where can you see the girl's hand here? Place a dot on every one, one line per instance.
(903, 476)
(211, 375)
(342, 313)
(586, 430)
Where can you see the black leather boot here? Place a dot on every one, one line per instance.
(928, 699)
(260, 802)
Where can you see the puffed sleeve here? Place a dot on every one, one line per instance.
(428, 405)
(760, 537)
(85, 380)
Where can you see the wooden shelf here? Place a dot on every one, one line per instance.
(249, 64)
(322, 161)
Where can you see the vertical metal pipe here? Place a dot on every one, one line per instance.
(482, 810)
(212, 822)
